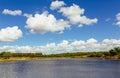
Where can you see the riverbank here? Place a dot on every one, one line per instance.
(113, 54)
(20, 59)
(49, 58)
(28, 58)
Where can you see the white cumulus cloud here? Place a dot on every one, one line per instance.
(76, 15)
(67, 46)
(45, 22)
(118, 19)
(12, 12)
(10, 34)
(56, 4)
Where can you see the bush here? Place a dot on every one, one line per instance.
(6, 55)
(115, 51)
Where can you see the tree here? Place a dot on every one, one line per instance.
(113, 52)
(6, 55)
(117, 49)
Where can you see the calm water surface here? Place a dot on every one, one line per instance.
(61, 68)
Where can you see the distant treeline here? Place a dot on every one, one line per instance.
(7, 55)
(113, 53)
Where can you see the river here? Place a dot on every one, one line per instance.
(61, 68)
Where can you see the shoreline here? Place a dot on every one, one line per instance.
(113, 54)
(13, 59)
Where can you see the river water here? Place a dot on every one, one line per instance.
(61, 68)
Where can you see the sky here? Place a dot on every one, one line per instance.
(57, 26)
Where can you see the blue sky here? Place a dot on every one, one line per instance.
(100, 20)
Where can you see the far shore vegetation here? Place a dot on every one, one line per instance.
(111, 54)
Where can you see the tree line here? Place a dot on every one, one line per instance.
(112, 52)
(7, 55)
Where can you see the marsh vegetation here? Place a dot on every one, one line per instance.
(111, 54)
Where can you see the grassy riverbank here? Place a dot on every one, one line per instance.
(9, 56)
(19, 59)
(55, 57)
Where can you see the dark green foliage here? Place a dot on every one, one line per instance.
(115, 51)
(96, 54)
(5, 55)
(67, 54)
(26, 54)
(107, 53)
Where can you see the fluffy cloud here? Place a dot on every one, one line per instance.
(67, 46)
(45, 22)
(75, 14)
(10, 34)
(118, 19)
(56, 5)
(11, 12)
